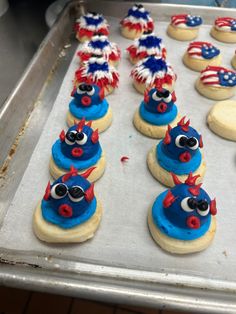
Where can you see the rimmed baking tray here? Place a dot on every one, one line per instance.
(121, 264)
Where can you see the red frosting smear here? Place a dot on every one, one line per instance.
(124, 159)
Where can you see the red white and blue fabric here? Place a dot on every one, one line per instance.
(186, 20)
(202, 50)
(218, 76)
(226, 24)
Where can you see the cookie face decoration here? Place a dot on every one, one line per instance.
(89, 24)
(178, 153)
(69, 211)
(217, 83)
(156, 111)
(100, 45)
(181, 214)
(97, 71)
(145, 46)
(136, 22)
(184, 26)
(153, 72)
(89, 103)
(78, 147)
(224, 29)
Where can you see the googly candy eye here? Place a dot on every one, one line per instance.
(70, 137)
(156, 96)
(76, 193)
(59, 190)
(192, 143)
(81, 138)
(181, 141)
(189, 204)
(203, 208)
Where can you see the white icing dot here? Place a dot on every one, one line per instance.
(213, 50)
(230, 81)
(207, 52)
(226, 77)
(233, 78)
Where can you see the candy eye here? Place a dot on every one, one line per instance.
(81, 138)
(70, 137)
(82, 88)
(181, 141)
(168, 97)
(156, 96)
(90, 90)
(203, 208)
(59, 190)
(192, 143)
(188, 204)
(76, 193)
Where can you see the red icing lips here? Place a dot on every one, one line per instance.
(185, 157)
(86, 101)
(65, 211)
(162, 107)
(193, 222)
(77, 152)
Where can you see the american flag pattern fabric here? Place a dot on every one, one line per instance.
(218, 76)
(202, 50)
(226, 24)
(186, 21)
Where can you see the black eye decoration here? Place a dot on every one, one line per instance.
(181, 141)
(188, 204)
(203, 208)
(192, 143)
(81, 138)
(70, 137)
(59, 190)
(85, 88)
(76, 193)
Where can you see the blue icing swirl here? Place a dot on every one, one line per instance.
(155, 65)
(93, 21)
(170, 229)
(93, 112)
(50, 215)
(209, 52)
(93, 67)
(99, 44)
(65, 163)
(227, 79)
(193, 21)
(176, 166)
(150, 42)
(158, 118)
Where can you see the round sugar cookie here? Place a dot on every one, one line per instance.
(154, 131)
(199, 64)
(181, 33)
(233, 62)
(225, 37)
(222, 119)
(177, 246)
(101, 124)
(214, 92)
(51, 233)
(130, 33)
(57, 172)
(164, 176)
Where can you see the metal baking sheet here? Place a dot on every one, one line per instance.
(122, 258)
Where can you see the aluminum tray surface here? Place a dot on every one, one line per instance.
(127, 189)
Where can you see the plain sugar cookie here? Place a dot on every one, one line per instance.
(222, 119)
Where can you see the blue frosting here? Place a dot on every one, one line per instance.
(227, 79)
(93, 21)
(50, 215)
(193, 21)
(158, 118)
(175, 165)
(150, 41)
(66, 162)
(138, 14)
(82, 210)
(93, 67)
(93, 112)
(209, 52)
(176, 228)
(99, 44)
(233, 25)
(155, 64)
